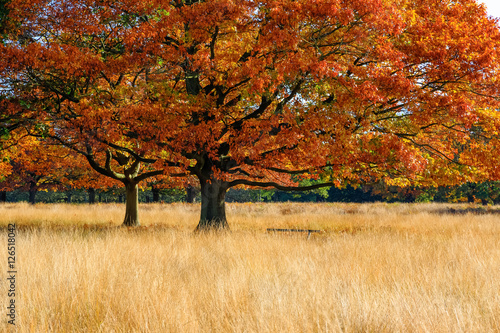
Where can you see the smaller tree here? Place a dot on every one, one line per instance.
(36, 166)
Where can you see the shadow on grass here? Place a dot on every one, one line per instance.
(467, 210)
(88, 228)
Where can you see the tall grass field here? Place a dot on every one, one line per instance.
(373, 268)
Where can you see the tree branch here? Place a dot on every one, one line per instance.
(147, 175)
(278, 186)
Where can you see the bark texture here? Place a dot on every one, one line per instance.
(131, 205)
(213, 208)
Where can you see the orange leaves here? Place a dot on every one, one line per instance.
(36, 164)
(447, 32)
(379, 87)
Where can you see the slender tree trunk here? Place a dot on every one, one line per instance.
(32, 196)
(91, 192)
(131, 205)
(190, 194)
(68, 197)
(32, 192)
(213, 209)
(470, 198)
(3, 196)
(156, 194)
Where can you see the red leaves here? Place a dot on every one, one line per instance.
(251, 87)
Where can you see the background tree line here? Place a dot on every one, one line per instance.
(486, 193)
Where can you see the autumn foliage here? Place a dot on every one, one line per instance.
(260, 93)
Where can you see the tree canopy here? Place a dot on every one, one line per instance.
(261, 93)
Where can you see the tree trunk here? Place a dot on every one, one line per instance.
(32, 193)
(91, 192)
(156, 194)
(68, 197)
(3, 196)
(470, 198)
(32, 196)
(131, 205)
(190, 194)
(213, 209)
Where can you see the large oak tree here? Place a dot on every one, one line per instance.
(262, 93)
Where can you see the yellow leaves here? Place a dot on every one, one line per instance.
(491, 114)
(5, 169)
(400, 182)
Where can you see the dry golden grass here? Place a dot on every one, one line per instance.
(376, 268)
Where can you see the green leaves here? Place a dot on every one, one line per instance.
(41, 130)
(4, 12)
(4, 133)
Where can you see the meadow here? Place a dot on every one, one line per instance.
(374, 268)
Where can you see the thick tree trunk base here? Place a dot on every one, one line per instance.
(130, 223)
(216, 225)
(213, 209)
(131, 206)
